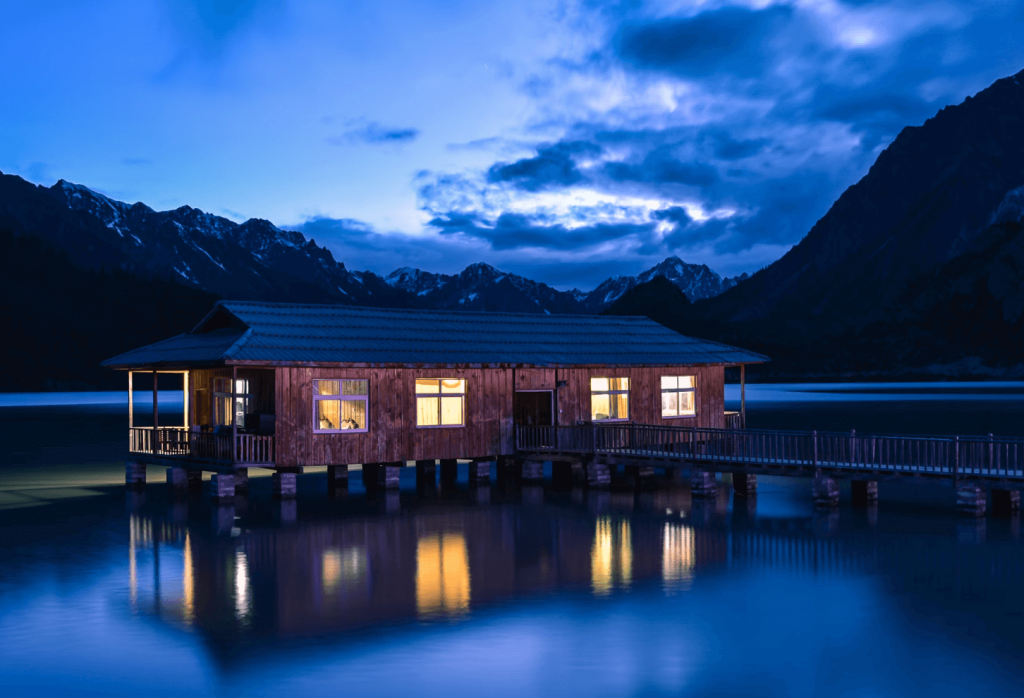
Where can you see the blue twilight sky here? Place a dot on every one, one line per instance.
(565, 140)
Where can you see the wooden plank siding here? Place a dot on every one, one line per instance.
(394, 436)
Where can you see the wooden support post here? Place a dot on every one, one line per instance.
(131, 401)
(234, 414)
(743, 396)
(186, 417)
(863, 492)
(562, 474)
(155, 442)
(382, 476)
(1005, 503)
(744, 484)
(241, 480)
(640, 475)
(195, 480)
(449, 471)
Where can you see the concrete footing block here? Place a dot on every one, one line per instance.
(533, 471)
(337, 476)
(426, 473)
(134, 474)
(177, 479)
(381, 475)
(599, 475)
(1005, 503)
(480, 471)
(863, 492)
(744, 483)
(284, 485)
(223, 486)
(702, 483)
(449, 471)
(825, 491)
(971, 501)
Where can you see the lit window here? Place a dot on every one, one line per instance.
(440, 402)
(609, 399)
(677, 396)
(223, 414)
(340, 405)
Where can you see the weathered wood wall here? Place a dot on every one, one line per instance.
(393, 435)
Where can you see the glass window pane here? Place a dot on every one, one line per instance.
(356, 387)
(242, 386)
(454, 385)
(427, 385)
(328, 414)
(669, 404)
(621, 407)
(427, 411)
(353, 414)
(686, 404)
(451, 410)
(685, 381)
(620, 383)
(669, 382)
(328, 387)
(598, 384)
(599, 407)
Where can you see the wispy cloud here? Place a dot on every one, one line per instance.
(375, 133)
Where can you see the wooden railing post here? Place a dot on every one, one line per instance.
(956, 460)
(814, 442)
(155, 442)
(853, 446)
(991, 460)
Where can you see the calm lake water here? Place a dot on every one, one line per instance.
(504, 590)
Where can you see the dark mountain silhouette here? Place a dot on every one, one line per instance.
(907, 260)
(60, 320)
(659, 299)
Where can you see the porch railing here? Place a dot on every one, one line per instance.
(178, 442)
(955, 456)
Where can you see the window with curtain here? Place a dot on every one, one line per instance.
(677, 396)
(609, 399)
(440, 402)
(223, 414)
(341, 406)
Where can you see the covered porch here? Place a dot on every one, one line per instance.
(226, 416)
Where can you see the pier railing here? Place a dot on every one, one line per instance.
(179, 442)
(954, 456)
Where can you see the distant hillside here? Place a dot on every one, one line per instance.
(60, 320)
(913, 271)
(659, 299)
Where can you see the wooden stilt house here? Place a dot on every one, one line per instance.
(285, 385)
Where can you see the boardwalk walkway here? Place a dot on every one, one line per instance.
(983, 461)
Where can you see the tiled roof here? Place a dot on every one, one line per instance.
(285, 332)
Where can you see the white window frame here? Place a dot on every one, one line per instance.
(611, 393)
(242, 398)
(439, 394)
(317, 397)
(679, 391)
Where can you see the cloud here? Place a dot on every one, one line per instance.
(733, 40)
(554, 165)
(375, 133)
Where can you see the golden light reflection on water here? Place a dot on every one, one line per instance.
(677, 557)
(140, 533)
(188, 597)
(242, 598)
(340, 567)
(611, 556)
(442, 575)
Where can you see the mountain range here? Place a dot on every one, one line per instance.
(916, 270)
(258, 260)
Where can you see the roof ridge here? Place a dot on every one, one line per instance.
(428, 311)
